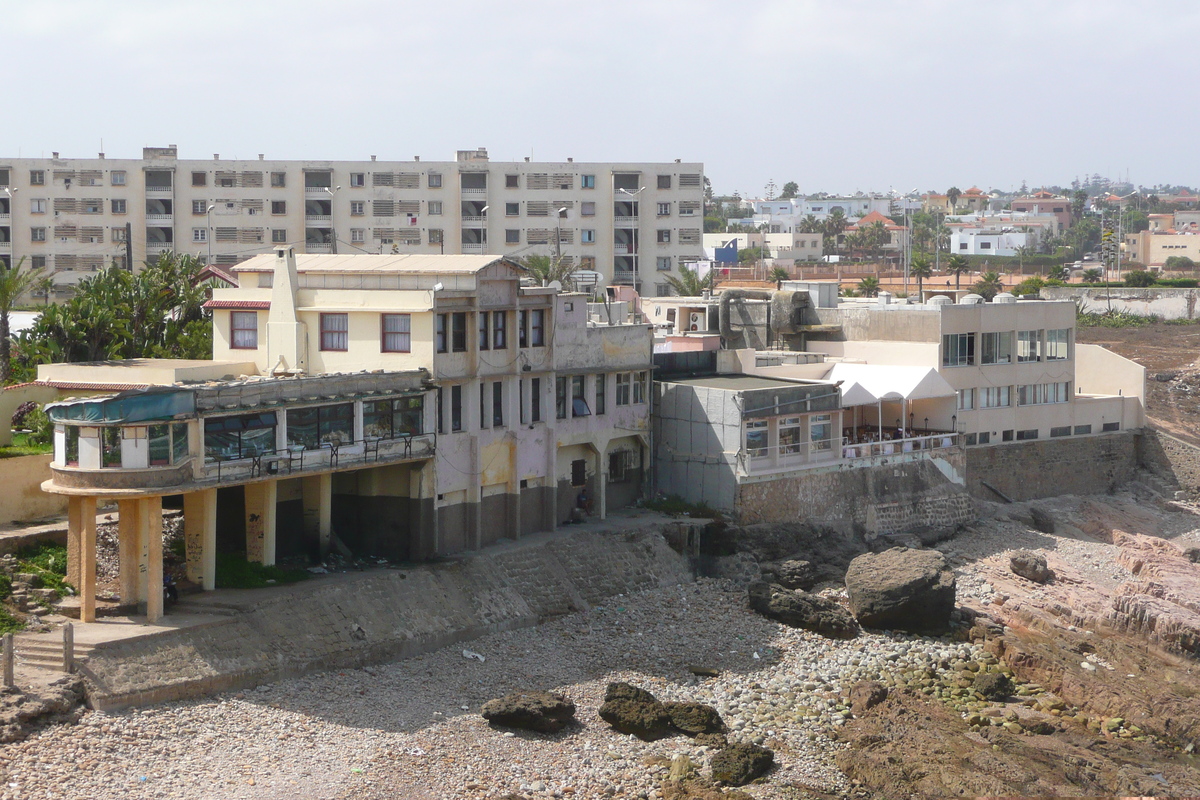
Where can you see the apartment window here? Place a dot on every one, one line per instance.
(512, 181)
(995, 396)
(997, 348)
(483, 330)
(118, 206)
(664, 209)
(512, 236)
(985, 437)
(962, 245)
(1082, 430)
(587, 181)
(522, 328)
(93, 207)
(279, 235)
(756, 438)
(335, 334)
(966, 399)
(662, 290)
(435, 180)
(587, 236)
(200, 207)
(601, 388)
(199, 179)
(397, 333)
(988, 246)
(37, 206)
(1109, 427)
(117, 177)
(512, 209)
(663, 263)
(537, 327)
(458, 332)
(483, 404)
(243, 330)
(587, 209)
(399, 417)
(358, 208)
(1057, 344)
(1026, 435)
(497, 404)
(456, 422)
(37, 177)
(358, 235)
(958, 349)
(434, 208)
(639, 388)
(1036, 394)
(278, 207)
(499, 330)
(358, 179)
(535, 399)
(663, 237)
(1006, 436)
(524, 415)
(118, 235)
(1028, 346)
(37, 234)
(278, 180)
(623, 390)
(560, 398)
(199, 234)
(1062, 430)
(436, 236)
(664, 181)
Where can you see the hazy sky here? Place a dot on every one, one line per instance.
(838, 95)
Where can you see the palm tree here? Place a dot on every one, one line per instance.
(835, 224)
(13, 284)
(868, 286)
(958, 265)
(989, 285)
(1023, 252)
(778, 274)
(810, 224)
(952, 194)
(920, 268)
(1092, 275)
(689, 283)
(544, 269)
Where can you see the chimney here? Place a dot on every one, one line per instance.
(677, 161)
(216, 156)
(260, 156)
(372, 158)
(526, 159)
(101, 156)
(54, 154)
(570, 160)
(416, 158)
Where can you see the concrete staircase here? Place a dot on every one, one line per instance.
(45, 651)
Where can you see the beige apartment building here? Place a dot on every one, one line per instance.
(633, 223)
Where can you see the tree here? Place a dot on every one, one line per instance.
(952, 194)
(1023, 252)
(810, 224)
(1179, 264)
(778, 274)
(958, 265)
(689, 283)
(1078, 203)
(544, 269)
(989, 285)
(868, 286)
(835, 224)
(1139, 278)
(1092, 275)
(13, 284)
(921, 268)
(790, 190)
(1059, 274)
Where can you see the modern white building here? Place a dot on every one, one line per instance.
(970, 241)
(631, 222)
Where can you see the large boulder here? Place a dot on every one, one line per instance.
(694, 718)
(1030, 565)
(632, 710)
(741, 762)
(902, 589)
(802, 610)
(545, 712)
(794, 573)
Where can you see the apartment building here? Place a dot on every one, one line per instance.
(1169, 235)
(632, 223)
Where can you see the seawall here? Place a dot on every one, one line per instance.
(1049, 467)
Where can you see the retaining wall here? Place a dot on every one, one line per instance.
(1173, 460)
(22, 498)
(346, 622)
(1168, 303)
(1051, 467)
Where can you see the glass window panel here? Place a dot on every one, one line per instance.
(179, 442)
(160, 445)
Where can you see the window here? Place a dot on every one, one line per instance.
(316, 425)
(988, 246)
(537, 327)
(1028, 346)
(623, 380)
(435, 180)
(663, 237)
(278, 207)
(434, 208)
(1109, 427)
(664, 181)
(578, 472)
(560, 398)
(1036, 394)
(1026, 435)
(397, 333)
(93, 207)
(118, 206)
(398, 417)
(278, 180)
(962, 245)
(997, 348)
(587, 181)
(199, 234)
(243, 330)
(458, 332)
(579, 404)
(497, 404)
(639, 388)
(358, 179)
(1057, 344)
(966, 399)
(436, 236)
(37, 262)
(512, 236)
(756, 438)
(358, 208)
(995, 397)
(242, 436)
(621, 465)
(1063, 430)
(790, 441)
(37, 177)
(663, 263)
(985, 437)
(279, 235)
(37, 234)
(358, 235)
(820, 432)
(117, 177)
(512, 181)
(512, 209)
(200, 207)
(535, 399)
(335, 332)
(440, 333)
(1006, 436)
(499, 330)
(662, 290)
(601, 388)
(1081, 430)
(958, 349)
(199, 179)
(587, 209)
(118, 235)
(587, 236)
(37, 206)
(483, 330)
(456, 408)
(664, 209)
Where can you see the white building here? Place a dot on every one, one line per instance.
(969, 241)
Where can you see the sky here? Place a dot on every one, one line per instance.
(836, 95)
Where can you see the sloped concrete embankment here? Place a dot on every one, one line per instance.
(381, 616)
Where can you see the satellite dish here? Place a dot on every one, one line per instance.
(555, 285)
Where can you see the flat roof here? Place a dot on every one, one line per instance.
(735, 383)
(361, 262)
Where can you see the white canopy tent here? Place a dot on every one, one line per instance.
(865, 384)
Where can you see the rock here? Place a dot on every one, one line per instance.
(1042, 520)
(545, 712)
(632, 710)
(802, 610)
(1192, 554)
(902, 589)
(1040, 728)
(1030, 565)
(716, 740)
(681, 767)
(704, 672)
(992, 685)
(699, 789)
(741, 762)
(694, 718)
(794, 573)
(30, 579)
(866, 695)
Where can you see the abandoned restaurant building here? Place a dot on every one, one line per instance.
(401, 406)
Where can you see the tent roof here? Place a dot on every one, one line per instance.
(854, 394)
(889, 382)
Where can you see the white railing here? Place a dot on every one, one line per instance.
(163, 217)
(159, 247)
(318, 189)
(813, 454)
(158, 190)
(6, 246)
(623, 249)
(475, 220)
(891, 447)
(318, 217)
(466, 190)
(625, 221)
(472, 248)
(318, 247)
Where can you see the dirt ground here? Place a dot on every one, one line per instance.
(1170, 354)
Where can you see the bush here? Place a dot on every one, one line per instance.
(1139, 278)
(5, 586)
(1179, 264)
(1029, 286)
(9, 623)
(676, 506)
(1177, 283)
(235, 572)
(47, 560)
(1115, 319)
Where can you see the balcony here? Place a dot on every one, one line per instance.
(623, 277)
(5, 247)
(159, 217)
(474, 190)
(159, 191)
(329, 456)
(317, 189)
(805, 455)
(159, 247)
(625, 222)
(475, 247)
(474, 221)
(318, 218)
(624, 250)
(318, 247)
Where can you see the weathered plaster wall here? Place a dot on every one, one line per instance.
(1166, 303)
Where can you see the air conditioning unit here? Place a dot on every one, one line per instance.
(696, 321)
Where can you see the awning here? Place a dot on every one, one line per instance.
(888, 382)
(157, 403)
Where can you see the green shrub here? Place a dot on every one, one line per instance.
(5, 586)
(1177, 283)
(48, 561)
(1115, 319)
(9, 623)
(676, 506)
(1139, 278)
(235, 572)
(1029, 286)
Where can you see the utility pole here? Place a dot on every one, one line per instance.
(129, 246)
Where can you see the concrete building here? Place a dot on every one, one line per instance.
(1168, 235)
(1043, 202)
(978, 241)
(631, 222)
(411, 405)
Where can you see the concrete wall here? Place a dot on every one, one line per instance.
(349, 621)
(22, 498)
(1172, 460)
(1047, 468)
(882, 323)
(1166, 303)
(697, 434)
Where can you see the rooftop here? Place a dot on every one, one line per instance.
(357, 263)
(142, 372)
(740, 383)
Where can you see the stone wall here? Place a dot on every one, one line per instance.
(1051, 467)
(1165, 302)
(1172, 460)
(352, 620)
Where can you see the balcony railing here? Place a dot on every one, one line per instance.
(158, 190)
(318, 247)
(624, 249)
(159, 217)
(623, 277)
(317, 189)
(159, 247)
(625, 222)
(6, 246)
(474, 220)
(331, 455)
(472, 248)
(473, 190)
(318, 218)
(799, 455)
(891, 447)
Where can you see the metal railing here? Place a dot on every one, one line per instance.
(474, 190)
(158, 189)
(799, 454)
(318, 189)
(625, 221)
(330, 455)
(164, 217)
(159, 247)
(891, 447)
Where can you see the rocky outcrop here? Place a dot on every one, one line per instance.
(632, 710)
(1030, 565)
(741, 762)
(694, 718)
(802, 610)
(902, 589)
(544, 712)
(23, 711)
(866, 695)
(793, 573)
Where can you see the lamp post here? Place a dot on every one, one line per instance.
(558, 215)
(332, 229)
(208, 234)
(482, 230)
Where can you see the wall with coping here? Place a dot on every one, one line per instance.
(1050, 467)
(23, 499)
(1164, 302)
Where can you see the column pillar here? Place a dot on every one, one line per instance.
(87, 560)
(127, 550)
(260, 521)
(151, 519)
(602, 479)
(74, 531)
(200, 537)
(317, 494)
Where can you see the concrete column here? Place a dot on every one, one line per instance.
(260, 521)
(317, 499)
(127, 549)
(357, 428)
(200, 537)
(552, 475)
(151, 518)
(74, 531)
(602, 478)
(87, 560)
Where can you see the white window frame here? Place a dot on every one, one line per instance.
(199, 234)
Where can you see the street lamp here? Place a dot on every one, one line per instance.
(332, 229)
(483, 229)
(208, 233)
(558, 215)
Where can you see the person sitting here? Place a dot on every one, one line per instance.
(584, 502)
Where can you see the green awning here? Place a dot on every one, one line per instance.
(138, 405)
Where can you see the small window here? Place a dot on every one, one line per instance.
(587, 209)
(435, 180)
(512, 181)
(664, 181)
(512, 209)
(335, 332)
(662, 290)
(663, 237)
(1063, 430)
(37, 234)
(1109, 427)
(436, 236)
(560, 398)
(1082, 430)
(199, 234)
(499, 330)
(512, 236)
(664, 209)
(601, 389)
(1026, 435)
(435, 208)
(358, 179)
(358, 208)
(117, 177)
(37, 206)
(118, 235)
(988, 246)
(623, 381)
(199, 179)
(962, 245)
(1006, 436)
(497, 404)
(587, 181)
(37, 177)
(279, 235)
(579, 404)
(243, 328)
(483, 330)
(440, 332)
(587, 236)
(535, 400)
(456, 421)
(278, 180)
(200, 207)
(118, 206)
(970, 439)
(537, 327)
(397, 333)
(278, 207)
(458, 332)
(663, 263)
